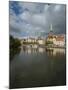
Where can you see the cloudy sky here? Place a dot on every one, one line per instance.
(34, 19)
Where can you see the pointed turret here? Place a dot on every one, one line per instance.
(51, 30)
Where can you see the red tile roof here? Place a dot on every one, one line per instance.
(60, 38)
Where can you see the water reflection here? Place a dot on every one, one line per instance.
(13, 52)
(39, 49)
(55, 51)
(38, 66)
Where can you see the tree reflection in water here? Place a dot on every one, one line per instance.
(14, 52)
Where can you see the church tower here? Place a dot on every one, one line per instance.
(51, 30)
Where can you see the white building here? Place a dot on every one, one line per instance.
(41, 41)
(59, 41)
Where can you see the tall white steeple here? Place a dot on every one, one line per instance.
(51, 28)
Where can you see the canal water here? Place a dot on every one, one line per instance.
(37, 67)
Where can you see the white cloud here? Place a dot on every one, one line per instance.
(28, 5)
(26, 16)
(57, 8)
(46, 8)
(36, 19)
(39, 19)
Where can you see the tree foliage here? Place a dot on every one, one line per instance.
(49, 42)
(14, 43)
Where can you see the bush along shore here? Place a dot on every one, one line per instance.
(14, 46)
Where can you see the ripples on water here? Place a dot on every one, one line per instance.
(38, 66)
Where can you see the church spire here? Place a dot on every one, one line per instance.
(51, 28)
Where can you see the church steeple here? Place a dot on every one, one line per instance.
(51, 27)
(51, 30)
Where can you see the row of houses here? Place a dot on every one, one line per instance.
(52, 39)
(40, 41)
(57, 40)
